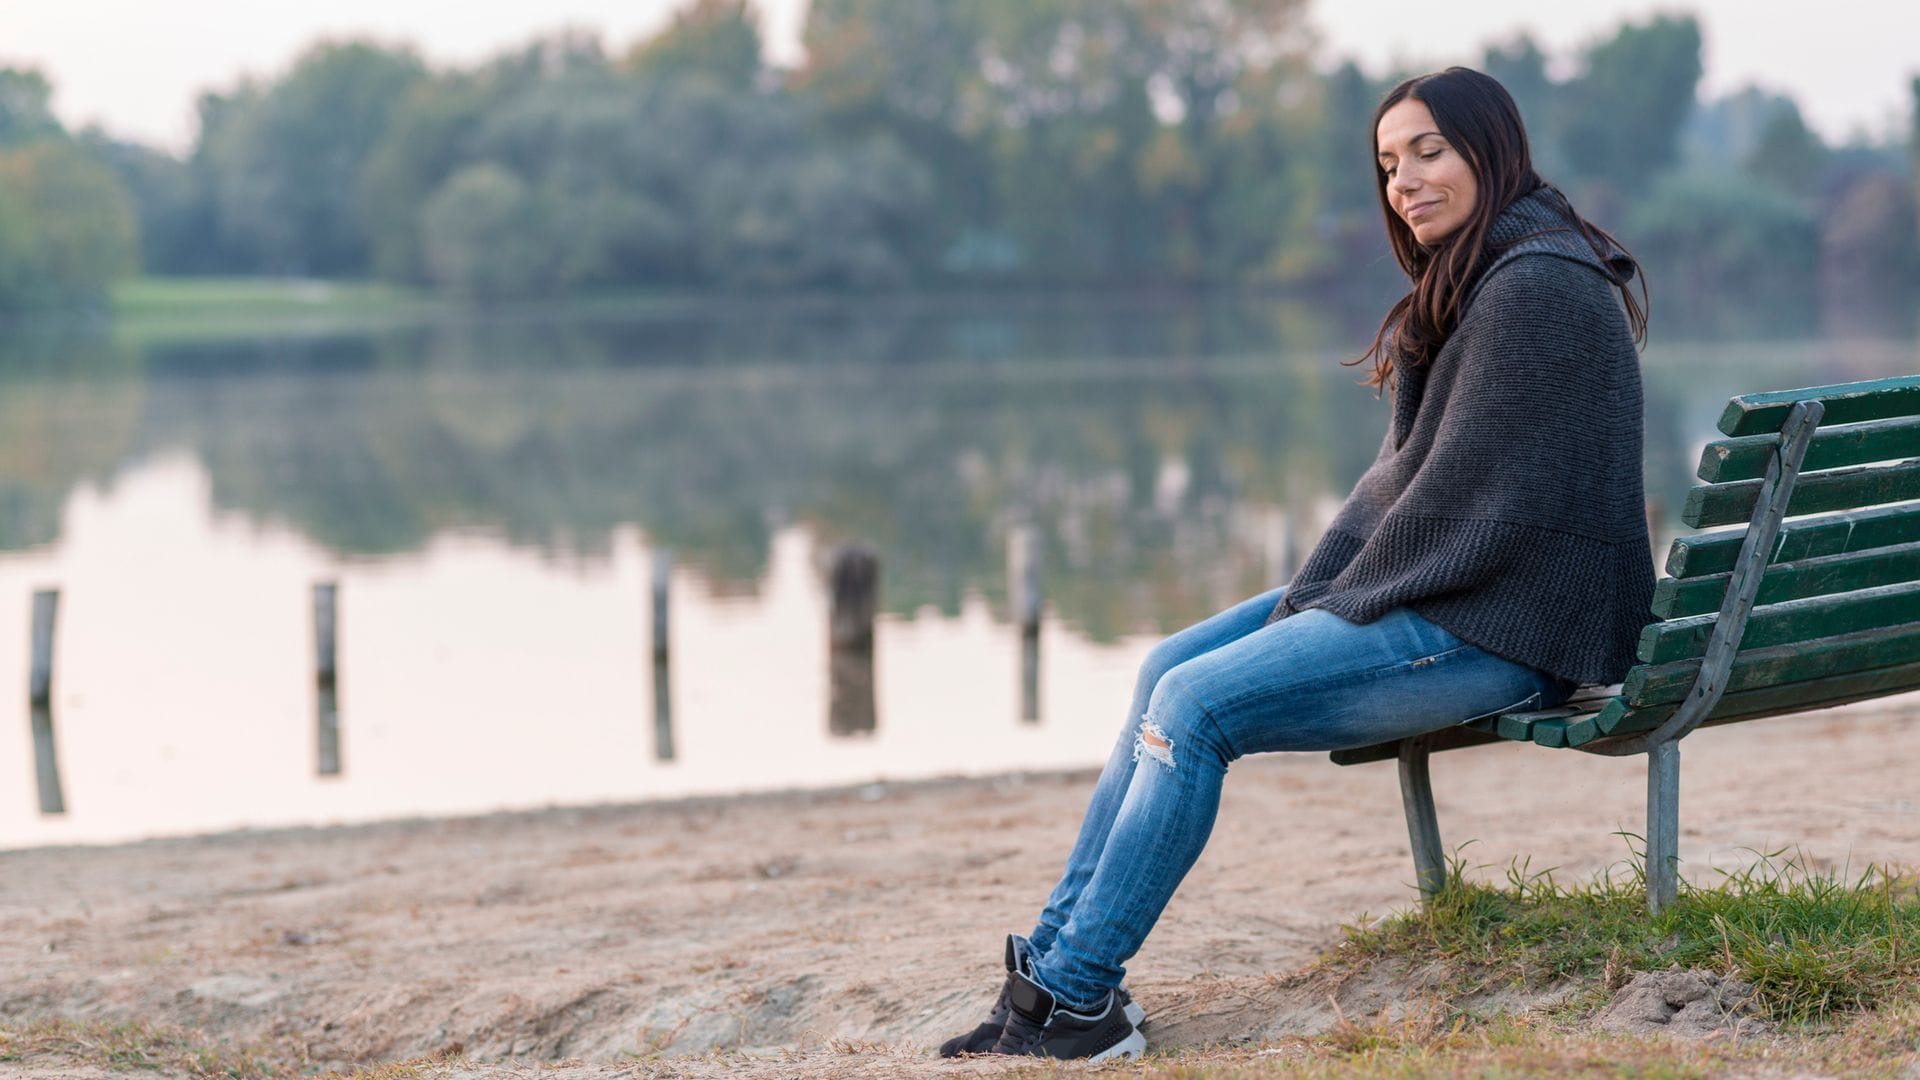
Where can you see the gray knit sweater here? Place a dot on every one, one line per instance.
(1505, 504)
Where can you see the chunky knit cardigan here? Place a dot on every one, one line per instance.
(1505, 504)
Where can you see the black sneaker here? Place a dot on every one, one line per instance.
(1038, 1026)
(981, 1039)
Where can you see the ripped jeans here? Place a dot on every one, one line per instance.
(1230, 686)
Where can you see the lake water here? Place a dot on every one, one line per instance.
(490, 496)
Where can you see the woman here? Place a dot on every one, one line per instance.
(1493, 557)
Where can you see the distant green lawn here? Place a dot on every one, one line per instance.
(165, 307)
(150, 309)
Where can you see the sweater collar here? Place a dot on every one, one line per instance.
(1537, 222)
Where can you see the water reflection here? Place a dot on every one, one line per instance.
(497, 502)
(475, 675)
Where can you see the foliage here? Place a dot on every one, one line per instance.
(284, 161)
(1704, 237)
(924, 143)
(1623, 114)
(717, 40)
(26, 111)
(1869, 265)
(1788, 154)
(67, 226)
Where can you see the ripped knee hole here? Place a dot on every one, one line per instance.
(1152, 741)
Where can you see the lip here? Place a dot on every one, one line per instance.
(1417, 209)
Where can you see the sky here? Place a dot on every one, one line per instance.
(135, 67)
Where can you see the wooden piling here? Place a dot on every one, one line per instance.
(46, 760)
(326, 683)
(662, 577)
(1026, 597)
(853, 577)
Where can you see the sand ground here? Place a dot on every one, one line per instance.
(798, 922)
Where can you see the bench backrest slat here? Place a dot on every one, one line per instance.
(1618, 718)
(1840, 654)
(1847, 403)
(1794, 620)
(1827, 574)
(1837, 489)
(1745, 458)
(1805, 538)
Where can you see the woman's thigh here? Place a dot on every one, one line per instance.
(1222, 628)
(1314, 681)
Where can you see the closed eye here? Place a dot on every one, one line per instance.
(1428, 156)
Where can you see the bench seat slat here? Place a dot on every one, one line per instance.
(1580, 705)
(1618, 718)
(1794, 620)
(1661, 684)
(1831, 534)
(1745, 458)
(1822, 576)
(1813, 493)
(1846, 403)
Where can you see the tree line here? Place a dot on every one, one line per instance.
(929, 144)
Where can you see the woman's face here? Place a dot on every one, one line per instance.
(1429, 184)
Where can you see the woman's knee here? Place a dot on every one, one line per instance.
(1177, 722)
(1165, 655)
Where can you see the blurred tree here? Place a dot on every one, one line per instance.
(176, 219)
(1625, 110)
(910, 70)
(285, 161)
(431, 133)
(1913, 136)
(1788, 154)
(597, 179)
(483, 236)
(1870, 252)
(1521, 67)
(67, 226)
(26, 106)
(707, 39)
(1727, 252)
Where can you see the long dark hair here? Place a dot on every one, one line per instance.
(1477, 116)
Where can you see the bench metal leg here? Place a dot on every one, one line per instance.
(1663, 826)
(1423, 827)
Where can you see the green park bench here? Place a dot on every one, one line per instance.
(1812, 601)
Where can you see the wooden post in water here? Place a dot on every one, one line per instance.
(662, 671)
(327, 719)
(853, 577)
(46, 603)
(1025, 596)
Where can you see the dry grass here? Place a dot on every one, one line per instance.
(1426, 1041)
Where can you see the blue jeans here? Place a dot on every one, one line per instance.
(1229, 686)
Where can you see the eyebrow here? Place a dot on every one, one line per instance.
(1385, 154)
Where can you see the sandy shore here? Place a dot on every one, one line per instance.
(802, 921)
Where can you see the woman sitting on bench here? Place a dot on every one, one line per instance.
(1493, 557)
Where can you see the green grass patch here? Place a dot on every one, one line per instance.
(146, 310)
(191, 297)
(1813, 944)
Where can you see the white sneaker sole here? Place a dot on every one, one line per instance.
(1130, 1048)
